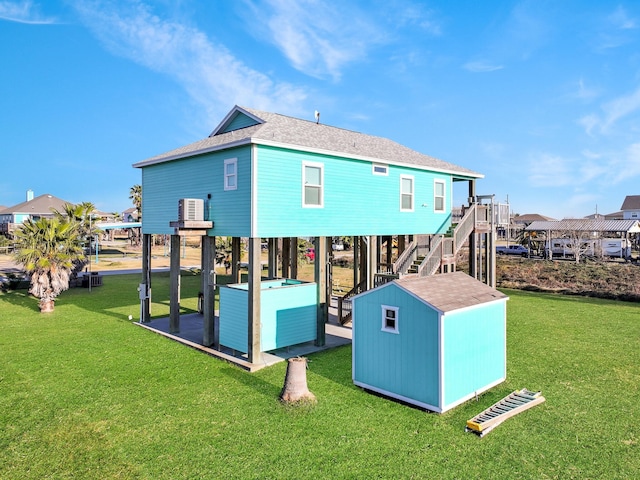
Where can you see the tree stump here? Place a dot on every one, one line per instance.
(295, 383)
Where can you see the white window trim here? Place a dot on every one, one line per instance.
(444, 196)
(321, 167)
(385, 309)
(413, 192)
(228, 161)
(380, 165)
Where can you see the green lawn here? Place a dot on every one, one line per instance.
(84, 393)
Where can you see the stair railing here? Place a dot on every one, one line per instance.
(406, 258)
(465, 227)
(431, 263)
(345, 306)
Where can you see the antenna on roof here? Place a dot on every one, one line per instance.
(317, 114)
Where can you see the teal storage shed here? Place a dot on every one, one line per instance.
(288, 314)
(433, 341)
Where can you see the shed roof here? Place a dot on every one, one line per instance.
(448, 292)
(297, 134)
(586, 225)
(40, 205)
(631, 202)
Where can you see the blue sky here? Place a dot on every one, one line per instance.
(542, 97)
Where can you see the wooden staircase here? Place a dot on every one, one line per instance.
(425, 255)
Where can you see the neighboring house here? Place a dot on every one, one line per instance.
(262, 175)
(631, 207)
(528, 219)
(615, 216)
(130, 215)
(33, 208)
(433, 342)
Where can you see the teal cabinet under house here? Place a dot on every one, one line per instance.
(433, 342)
(287, 313)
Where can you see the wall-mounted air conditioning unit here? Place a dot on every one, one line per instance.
(191, 209)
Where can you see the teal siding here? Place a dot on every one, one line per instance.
(474, 350)
(356, 202)
(237, 122)
(405, 363)
(234, 313)
(287, 314)
(164, 184)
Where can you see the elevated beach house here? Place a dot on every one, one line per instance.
(270, 178)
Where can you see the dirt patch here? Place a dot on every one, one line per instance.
(614, 280)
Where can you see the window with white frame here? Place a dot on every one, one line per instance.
(390, 319)
(406, 193)
(312, 184)
(231, 174)
(379, 169)
(438, 196)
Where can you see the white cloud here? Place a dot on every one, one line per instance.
(619, 108)
(627, 166)
(416, 14)
(481, 67)
(546, 170)
(612, 112)
(621, 20)
(318, 38)
(209, 72)
(23, 12)
(585, 93)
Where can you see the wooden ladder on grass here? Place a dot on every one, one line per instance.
(511, 405)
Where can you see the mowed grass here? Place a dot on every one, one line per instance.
(85, 393)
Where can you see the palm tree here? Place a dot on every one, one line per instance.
(135, 194)
(48, 249)
(82, 214)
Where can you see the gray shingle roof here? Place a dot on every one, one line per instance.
(450, 291)
(586, 225)
(631, 202)
(40, 205)
(290, 132)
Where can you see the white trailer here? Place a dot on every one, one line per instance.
(616, 247)
(607, 247)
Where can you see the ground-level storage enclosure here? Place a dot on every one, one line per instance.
(431, 341)
(288, 314)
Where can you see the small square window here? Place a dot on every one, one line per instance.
(390, 319)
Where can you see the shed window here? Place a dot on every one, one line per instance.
(389, 319)
(406, 193)
(438, 196)
(312, 185)
(231, 174)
